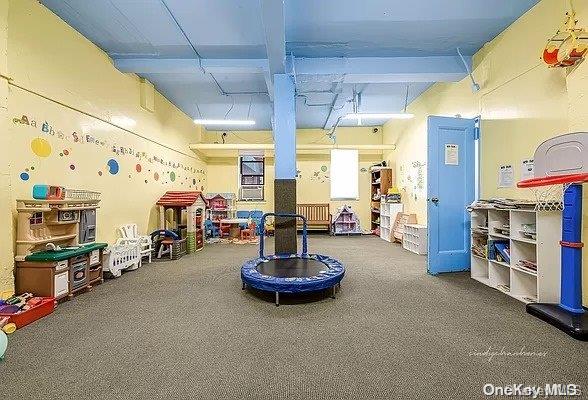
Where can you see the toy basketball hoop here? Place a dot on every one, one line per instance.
(561, 167)
(549, 190)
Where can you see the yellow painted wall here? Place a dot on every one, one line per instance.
(54, 69)
(522, 103)
(313, 184)
(6, 245)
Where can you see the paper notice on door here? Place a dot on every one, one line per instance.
(505, 176)
(451, 154)
(527, 169)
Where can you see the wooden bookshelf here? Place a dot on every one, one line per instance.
(382, 179)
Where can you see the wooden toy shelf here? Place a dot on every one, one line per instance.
(532, 272)
(382, 179)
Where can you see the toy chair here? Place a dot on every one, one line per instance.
(256, 217)
(225, 230)
(249, 232)
(212, 231)
(130, 236)
(166, 247)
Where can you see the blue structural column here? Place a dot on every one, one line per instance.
(285, 162)
(571, 250)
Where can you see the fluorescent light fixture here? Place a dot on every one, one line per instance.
(359, 116)
(224, 121)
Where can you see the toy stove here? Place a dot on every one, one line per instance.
(79, 271)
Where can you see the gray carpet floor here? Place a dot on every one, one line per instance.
(186, 330)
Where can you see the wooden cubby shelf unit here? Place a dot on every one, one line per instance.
(382, 179)
(532, 237)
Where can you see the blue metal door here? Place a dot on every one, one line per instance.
(451, 180)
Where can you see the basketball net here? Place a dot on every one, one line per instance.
(550, 197)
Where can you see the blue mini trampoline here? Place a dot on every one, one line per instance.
(291, 273)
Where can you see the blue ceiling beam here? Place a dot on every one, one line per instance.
(190, 65)
(274, 29)
(155, 65)
(386, 69)
(351, 70)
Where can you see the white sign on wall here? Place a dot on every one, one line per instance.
(505, 176)
(527, 169)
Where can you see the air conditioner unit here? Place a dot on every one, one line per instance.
(251, 193)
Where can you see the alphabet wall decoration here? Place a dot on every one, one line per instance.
(45, 136)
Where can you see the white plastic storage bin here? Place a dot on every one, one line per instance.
(415, 238)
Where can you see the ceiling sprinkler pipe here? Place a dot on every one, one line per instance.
(475, 85)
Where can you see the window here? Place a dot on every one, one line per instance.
(36, 218)
(251, 177)
(344, 175)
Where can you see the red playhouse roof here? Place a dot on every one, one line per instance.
(180, 199)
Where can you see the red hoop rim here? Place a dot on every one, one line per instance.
(553, 180)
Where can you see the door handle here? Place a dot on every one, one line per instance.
(435, 200)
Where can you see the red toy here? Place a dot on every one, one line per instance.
(33, 309)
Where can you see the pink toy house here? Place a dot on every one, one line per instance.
(220, 205)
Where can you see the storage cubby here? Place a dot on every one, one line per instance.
(415, 238)
(480, 221)
(523, 226)
(523, 254)
(499, 223)
(479, 270)
(523, 286)
(388, 212)
(531, 242)
(499, 276)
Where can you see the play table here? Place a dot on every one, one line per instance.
(235, 230)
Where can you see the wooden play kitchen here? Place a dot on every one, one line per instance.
(56, 253)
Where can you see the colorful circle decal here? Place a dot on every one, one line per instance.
(112, 166)
(72, 167)
(65, 152)
(172, 176)
(99, 173)
(24, 176)
(138, 168)
(156, 176)
(324, 168)
(41, 147)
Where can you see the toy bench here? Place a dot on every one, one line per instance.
(317, 215)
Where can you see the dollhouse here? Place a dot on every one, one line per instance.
(346, 222)
(182, 213)
(220, 205)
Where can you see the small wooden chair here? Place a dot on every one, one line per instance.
(249, 232)
(224, 230)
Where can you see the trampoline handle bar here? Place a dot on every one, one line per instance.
(283, 215)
